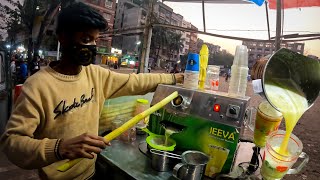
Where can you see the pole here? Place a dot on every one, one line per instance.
(203, 16)
(146, 41)
(278, 25)
(146, 61)
(267, 14)
(58, 51)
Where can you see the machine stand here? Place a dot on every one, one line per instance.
(254, 163)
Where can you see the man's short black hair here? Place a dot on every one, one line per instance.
(79, 17)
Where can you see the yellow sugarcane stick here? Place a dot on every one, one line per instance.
(129, 124)
(204, 55)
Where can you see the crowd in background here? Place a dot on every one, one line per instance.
(21, 69)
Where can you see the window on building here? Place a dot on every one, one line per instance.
(259, 56)
(97, 2)
(164, 51)
(106, 16)
(103, 42)
(2, 69)
(299, 47)
(108, 3)
(162, 12)
(174, 22)
(162, 20)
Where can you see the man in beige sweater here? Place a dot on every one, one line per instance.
(56, 116)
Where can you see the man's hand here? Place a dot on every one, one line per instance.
(179, 78)
(82, 146)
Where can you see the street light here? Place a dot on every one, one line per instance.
(139, 42)
(8, 46)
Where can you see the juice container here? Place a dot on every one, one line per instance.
(212, 79)
(141, 105)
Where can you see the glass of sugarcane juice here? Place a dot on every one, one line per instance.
(267, 121)
(275, 164)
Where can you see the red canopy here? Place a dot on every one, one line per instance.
(294, 3)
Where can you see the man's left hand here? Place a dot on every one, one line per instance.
(179, 78)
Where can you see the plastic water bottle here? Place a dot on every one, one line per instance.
(239, 72)
(191, 74)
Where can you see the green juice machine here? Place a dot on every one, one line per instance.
(213, 123)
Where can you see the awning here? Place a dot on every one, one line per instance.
(294, 3)
(272, 3)
(212, 1)
(258, 2)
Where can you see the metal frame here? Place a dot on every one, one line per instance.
(147, 34)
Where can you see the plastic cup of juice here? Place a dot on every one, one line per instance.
(267, 121)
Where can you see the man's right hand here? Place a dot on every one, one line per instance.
(82, 146)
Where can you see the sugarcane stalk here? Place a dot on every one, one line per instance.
(129, 124)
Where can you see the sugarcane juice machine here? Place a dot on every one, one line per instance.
(213, 123)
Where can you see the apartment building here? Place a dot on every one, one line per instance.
(164, 13)
(129, 13)
(186, 36)
(258, 50)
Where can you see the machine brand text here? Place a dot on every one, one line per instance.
(222, 133)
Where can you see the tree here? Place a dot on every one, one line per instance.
(10, 19)
(175, 43)
(159, 40)
(224, 59)
(21, 18)
(50, 10)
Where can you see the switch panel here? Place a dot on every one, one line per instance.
(233, 111)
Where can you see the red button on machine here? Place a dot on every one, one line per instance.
(216, 108)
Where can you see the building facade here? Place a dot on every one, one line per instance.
(107, 9)
(257, 50)
(193, 40)
(186, 36)
(129, 14)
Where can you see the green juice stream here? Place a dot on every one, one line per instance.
(168, 132)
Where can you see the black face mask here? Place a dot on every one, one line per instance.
(83, 54)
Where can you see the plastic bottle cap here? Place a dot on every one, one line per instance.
(143, 101)
(193, 62)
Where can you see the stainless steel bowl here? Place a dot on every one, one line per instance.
(163, 160)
